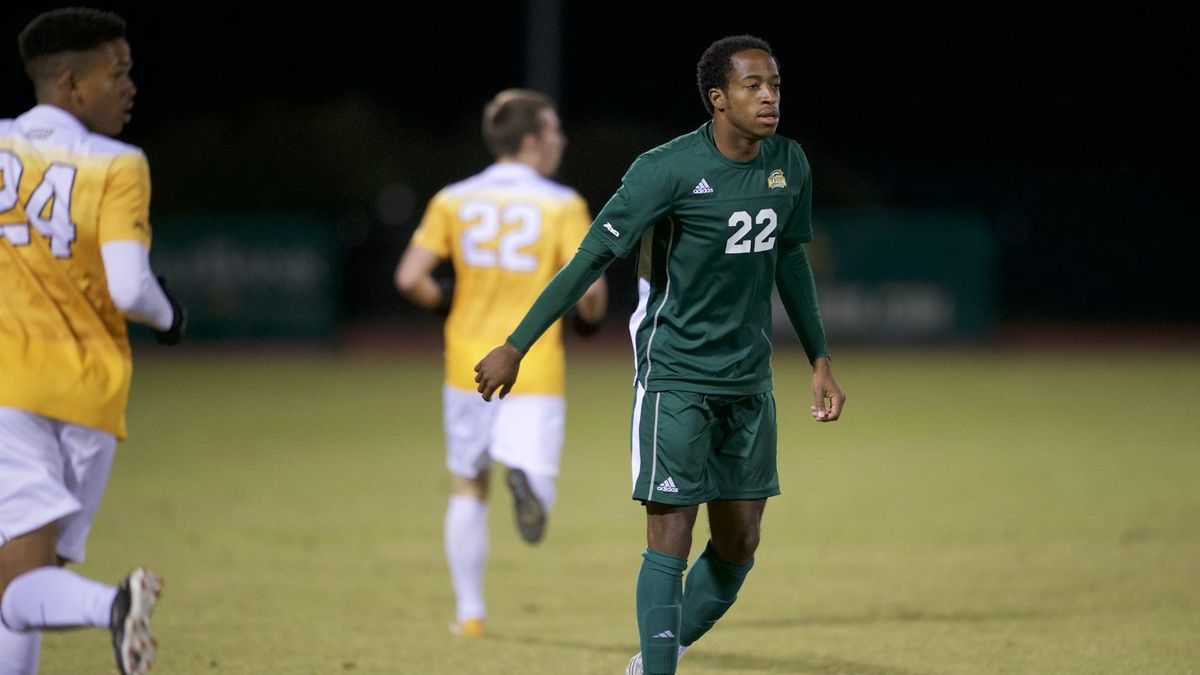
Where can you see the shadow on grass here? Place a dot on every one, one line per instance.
(801, 664)
(892, 616)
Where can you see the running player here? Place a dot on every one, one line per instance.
(74, 264)
(507, 231)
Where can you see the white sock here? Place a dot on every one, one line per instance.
(466, 538)
(53, 597)
(19, 651)
(545, 487)
(682, 649)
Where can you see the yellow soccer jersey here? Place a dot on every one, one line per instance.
(507, 231)
(64, 349)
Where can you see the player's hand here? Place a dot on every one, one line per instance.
(826, 392)
(173, 335)
(447, 288)
(498, 370)
(582, 326)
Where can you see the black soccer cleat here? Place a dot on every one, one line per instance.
(531, 517)
(134, 646)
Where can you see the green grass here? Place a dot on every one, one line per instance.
(971, 513)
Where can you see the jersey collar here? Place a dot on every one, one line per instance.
(52, 116)
(516, 169)
(706, 130)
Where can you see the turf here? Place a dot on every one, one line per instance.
(972, 513)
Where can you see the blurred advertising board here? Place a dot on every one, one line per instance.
(247, 277)
(902, 276)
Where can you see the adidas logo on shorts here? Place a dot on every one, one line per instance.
(668, 485)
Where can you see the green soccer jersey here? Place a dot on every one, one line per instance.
(709, 232)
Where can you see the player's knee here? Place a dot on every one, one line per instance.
(738, 547)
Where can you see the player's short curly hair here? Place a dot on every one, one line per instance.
(712, 71)
(70, 29)
(510, 115)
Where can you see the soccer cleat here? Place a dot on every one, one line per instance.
(531, 517)
(635, 664)
(469, 628)
(133, 644)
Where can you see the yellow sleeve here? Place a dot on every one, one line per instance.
(576, 221)
(125, 204)
(434, 232)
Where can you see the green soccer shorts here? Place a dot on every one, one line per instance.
(691, 448)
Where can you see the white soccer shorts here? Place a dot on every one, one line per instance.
(51, 471)
(523, 431)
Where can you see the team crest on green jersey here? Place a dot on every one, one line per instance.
(776, 180)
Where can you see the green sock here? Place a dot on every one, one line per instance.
(712, 587)
(659, 588)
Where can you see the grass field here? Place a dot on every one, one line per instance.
(971, 513)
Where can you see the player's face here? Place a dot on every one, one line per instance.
(551, 143)
(103, 91)
(752, 93)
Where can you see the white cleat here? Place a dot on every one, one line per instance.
(635, 664)
(133, 644)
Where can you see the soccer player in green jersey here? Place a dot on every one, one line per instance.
(719, 217)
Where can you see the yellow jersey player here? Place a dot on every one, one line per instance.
(507, 231)
(74, 264)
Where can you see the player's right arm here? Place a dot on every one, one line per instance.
(414, 279)
(591, 308)
(589, 312)
(429, 246)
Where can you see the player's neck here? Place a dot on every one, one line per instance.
(527, 159)
(733, 144)
(62, 102)
(49, 96)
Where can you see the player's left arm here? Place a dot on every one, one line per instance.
(132, 285)
(124, 232)
(798, 292)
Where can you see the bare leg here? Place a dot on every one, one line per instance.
(736, 527)
(20, 650)
(718, 573)
(476, 487)
(28, 552)
(669, 528)
(660, 584)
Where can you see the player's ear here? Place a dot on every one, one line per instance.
(529, 142)
(716, 97)
(65, 80)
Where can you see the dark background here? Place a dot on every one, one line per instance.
(1067, 129)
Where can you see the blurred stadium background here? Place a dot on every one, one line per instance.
(1006, 240)
(975, 170)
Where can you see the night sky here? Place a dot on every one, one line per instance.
(1067, 130)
